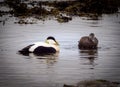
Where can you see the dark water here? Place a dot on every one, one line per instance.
(71, 65)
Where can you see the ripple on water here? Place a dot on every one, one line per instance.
(70, 65)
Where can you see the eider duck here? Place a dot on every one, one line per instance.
(50, 46)
(88, 42)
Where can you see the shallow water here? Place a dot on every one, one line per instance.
(71, 65)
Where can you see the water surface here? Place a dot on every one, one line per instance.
(71, 65)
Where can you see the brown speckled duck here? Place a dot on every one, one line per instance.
(88, 42)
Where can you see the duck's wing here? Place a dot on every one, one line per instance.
(25, 50)
(38, 44)
(85, 40)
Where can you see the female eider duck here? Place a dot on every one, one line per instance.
(88, 42)
(50, 46)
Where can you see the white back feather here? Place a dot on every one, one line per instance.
(48, 43)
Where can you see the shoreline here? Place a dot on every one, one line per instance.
(63, 11)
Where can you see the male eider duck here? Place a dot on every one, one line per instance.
(88, 42)
(50, 46)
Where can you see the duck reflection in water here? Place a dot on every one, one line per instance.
(91, 55)
(47, 59)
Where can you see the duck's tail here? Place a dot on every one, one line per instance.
(25, 51)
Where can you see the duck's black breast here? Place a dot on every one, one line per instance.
(41, 50)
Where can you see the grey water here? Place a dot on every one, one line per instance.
(70, 65)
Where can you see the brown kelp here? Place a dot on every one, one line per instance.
(39, 9)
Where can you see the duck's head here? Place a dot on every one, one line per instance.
(51, 40)
(91, 35)
(93, 38)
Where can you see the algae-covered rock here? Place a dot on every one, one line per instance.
(95, 83)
